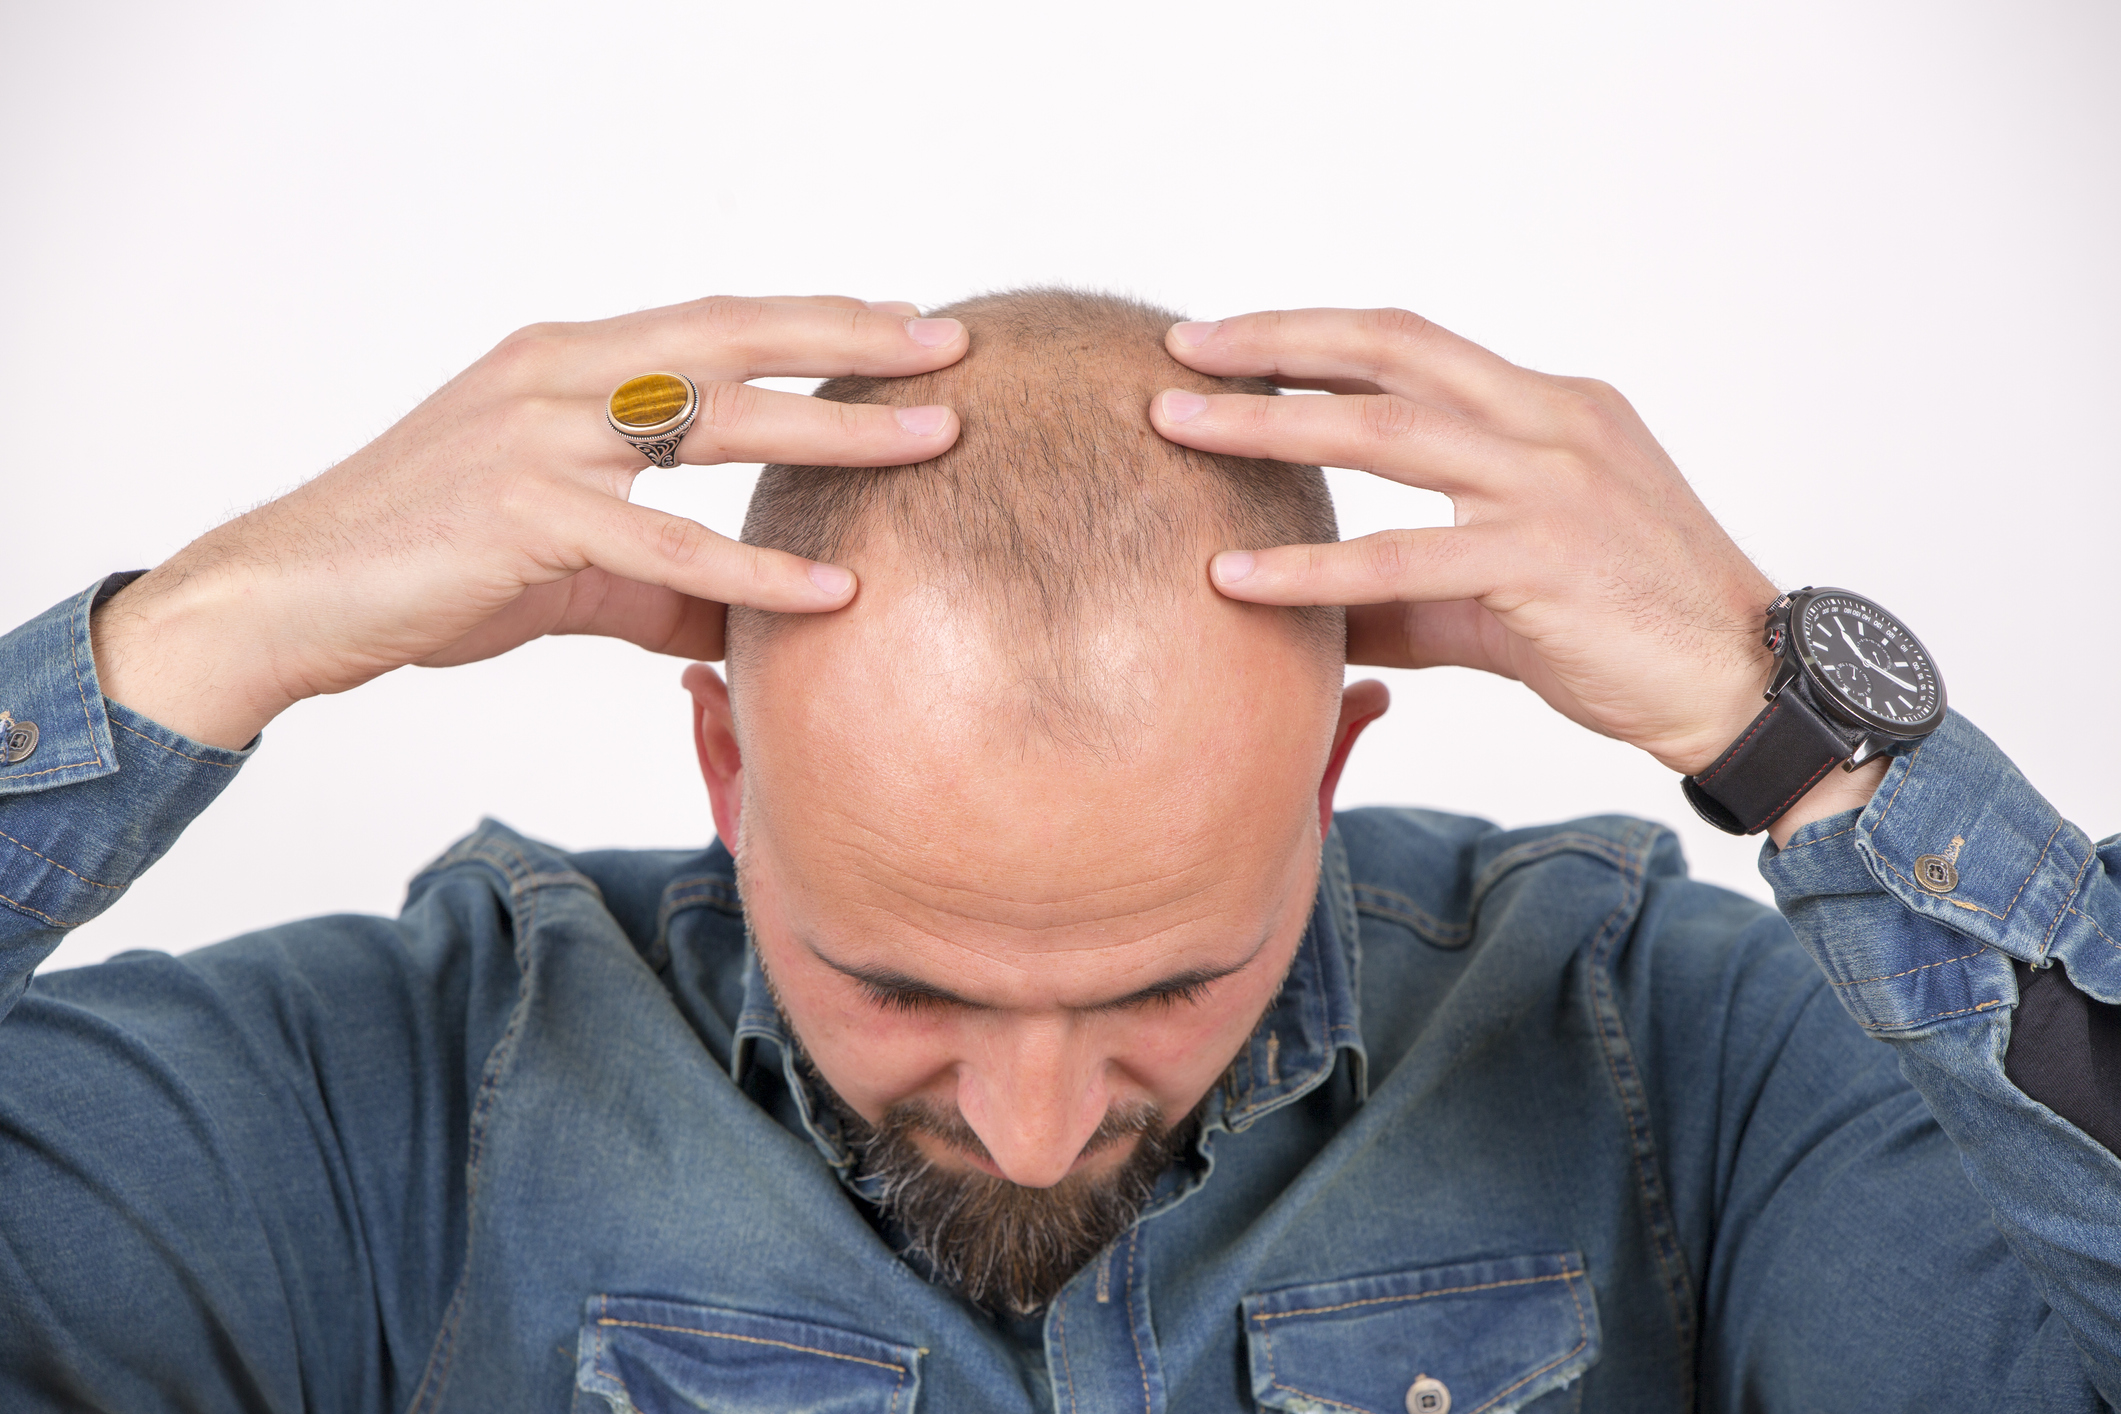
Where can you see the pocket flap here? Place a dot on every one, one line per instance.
(661, 1357)
(1477, 1338)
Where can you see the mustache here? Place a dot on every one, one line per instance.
(1001, 1245)
(1120, 1125)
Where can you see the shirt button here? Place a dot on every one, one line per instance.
(1428, 1395)
(1937, 873)
(21, 740)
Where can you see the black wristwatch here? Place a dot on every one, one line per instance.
(1850, 682)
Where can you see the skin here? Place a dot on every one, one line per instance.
(1581, 563)
(893, 814)
(496, 512)
(884, 817)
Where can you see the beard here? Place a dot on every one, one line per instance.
(999, 1244)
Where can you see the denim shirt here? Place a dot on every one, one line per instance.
(1536, 1122)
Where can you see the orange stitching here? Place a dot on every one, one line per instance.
(38, 913)
(1060, 1333)
(1821, 840)
(73, 653)
(2047, 939)
(2051, 834)
(1583, 1338)
(1912, 758)
(4, 835)
(1861, 981)
(1133, 1240)
(1321, 1399)
(1391, 904)
(1939, 1016)
(1264, 1317)
(224, 765)
(50, 770)
(750, 1340)
(2093, 926)
(1975, 907)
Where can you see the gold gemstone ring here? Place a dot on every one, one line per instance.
(652, 411)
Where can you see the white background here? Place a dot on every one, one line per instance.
(1855, 262)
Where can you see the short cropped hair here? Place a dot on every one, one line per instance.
(1059, 504)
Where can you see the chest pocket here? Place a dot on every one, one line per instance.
(1479, 1338)
(662, 1357)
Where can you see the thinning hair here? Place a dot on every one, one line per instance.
(1059, 506)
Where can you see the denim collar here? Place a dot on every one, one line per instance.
(1292, 1052)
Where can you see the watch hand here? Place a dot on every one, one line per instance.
(1869, 666)
(1895, 681)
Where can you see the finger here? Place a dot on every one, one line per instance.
(1457, 633)
(1408, 441)
(655, 548)
(739, 423)
(659, 620)
(904, 308)
(1328, 385)
(735, 339)
(1399, 352)
(594, 602)
(1442, 563)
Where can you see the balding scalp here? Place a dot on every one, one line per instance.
(1059, 506)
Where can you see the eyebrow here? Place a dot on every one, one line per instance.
(890, 982)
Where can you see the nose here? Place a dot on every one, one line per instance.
(1034, 1094)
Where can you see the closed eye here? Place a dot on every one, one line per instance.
(1187, 992)
(910, 999)
(906, 1000)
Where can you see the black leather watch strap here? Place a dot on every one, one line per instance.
(1768, 769)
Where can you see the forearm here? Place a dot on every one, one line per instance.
(1930, 969)
(102, 796)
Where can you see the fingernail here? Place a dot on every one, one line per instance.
(1232, 565)
(1193, 333)
(923, 421)
(933, 333)
(1182, 406)
(832, 579)
(895, 306)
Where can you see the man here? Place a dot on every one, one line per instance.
(1037, 1037)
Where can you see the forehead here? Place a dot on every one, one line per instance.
(904, 772)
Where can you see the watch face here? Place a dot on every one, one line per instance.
(1868, 662)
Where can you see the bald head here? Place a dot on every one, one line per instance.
(1060, 527)
(1029, 831)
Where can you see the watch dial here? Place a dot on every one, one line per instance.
(1869, 661)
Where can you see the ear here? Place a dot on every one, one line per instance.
(714, 735)
(1361, 703)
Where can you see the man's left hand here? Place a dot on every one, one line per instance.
(1581, 563)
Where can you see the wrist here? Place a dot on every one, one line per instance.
(1837, 791)
(173, 647)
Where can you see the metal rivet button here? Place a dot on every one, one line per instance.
(1936, 873)
(1428, 1395)
(21, 740)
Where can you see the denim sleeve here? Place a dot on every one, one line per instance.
(231, 1179)
(1917, 908)
(100, 796)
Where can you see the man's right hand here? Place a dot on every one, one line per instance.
(496, 512)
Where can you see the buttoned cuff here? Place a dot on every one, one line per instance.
(132, 785)
(1915, 905)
